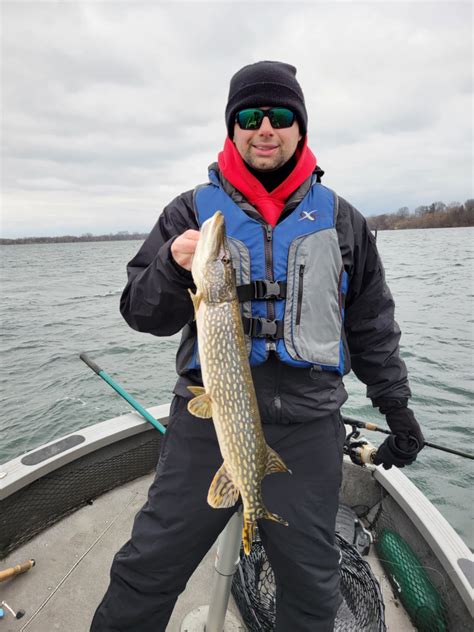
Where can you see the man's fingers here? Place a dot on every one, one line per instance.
(190, 239)
(192, 234)
(184, 247)
(187, 246)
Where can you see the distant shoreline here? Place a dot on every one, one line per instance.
(436, 215)
(67, 239)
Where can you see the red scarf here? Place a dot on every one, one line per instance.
(268, 204)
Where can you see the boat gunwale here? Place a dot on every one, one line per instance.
(15, 475)
(446, 545)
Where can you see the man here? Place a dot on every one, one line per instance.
(314, 303)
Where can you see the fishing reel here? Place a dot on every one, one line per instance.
(357, 448)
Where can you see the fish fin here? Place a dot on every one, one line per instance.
(275, 463)
(196, 299)
(274, 517)
(222, 492)
(201, 406)
(248, 533)
(196, 390)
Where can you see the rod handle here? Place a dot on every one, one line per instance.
(90, 363)
(16, 570)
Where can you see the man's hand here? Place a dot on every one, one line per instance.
(183, 248)
(402, 447)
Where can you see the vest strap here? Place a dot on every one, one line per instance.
(261, 289)
(263, 328)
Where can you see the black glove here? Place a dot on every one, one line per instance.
(400, 448)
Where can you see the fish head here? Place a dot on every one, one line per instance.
(212, 265)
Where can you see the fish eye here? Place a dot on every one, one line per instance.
(225, 260)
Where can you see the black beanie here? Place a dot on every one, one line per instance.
(271, 83)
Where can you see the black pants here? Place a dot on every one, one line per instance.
(176, 527)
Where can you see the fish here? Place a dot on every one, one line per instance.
(228, 395)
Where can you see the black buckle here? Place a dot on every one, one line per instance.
(261, 289)
(268, 328)
(265, 289)
(263, 328)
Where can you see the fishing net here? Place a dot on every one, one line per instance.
(416, 579)
(361, 610)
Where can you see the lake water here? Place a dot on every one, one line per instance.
(61, 299)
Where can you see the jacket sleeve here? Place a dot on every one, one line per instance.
(156, 299)
(371, 330)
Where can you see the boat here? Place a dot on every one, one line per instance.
(69, 505)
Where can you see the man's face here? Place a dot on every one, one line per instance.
(266, 148)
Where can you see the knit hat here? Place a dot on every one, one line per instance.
(271, 83)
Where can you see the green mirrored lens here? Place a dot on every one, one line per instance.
(281, 117)
(250, 119)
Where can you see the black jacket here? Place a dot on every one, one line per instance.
(155, 300)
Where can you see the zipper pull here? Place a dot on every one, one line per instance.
(269, 232)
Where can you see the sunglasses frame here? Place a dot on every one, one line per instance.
(264, 113)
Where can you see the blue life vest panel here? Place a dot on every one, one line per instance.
(305, 255)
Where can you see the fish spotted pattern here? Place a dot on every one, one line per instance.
(228, 395)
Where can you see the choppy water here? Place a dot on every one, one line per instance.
(61, 299)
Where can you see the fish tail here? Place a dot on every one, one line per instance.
(248, 533)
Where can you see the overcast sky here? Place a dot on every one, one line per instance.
(109, 109)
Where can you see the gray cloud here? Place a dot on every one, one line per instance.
(109, 110)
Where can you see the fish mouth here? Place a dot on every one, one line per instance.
(212, 237)
(210, 248)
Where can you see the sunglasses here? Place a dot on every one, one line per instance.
(252, 118)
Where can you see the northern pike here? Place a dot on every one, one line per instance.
(228, 395)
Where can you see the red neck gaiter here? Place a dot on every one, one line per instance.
(268, 203)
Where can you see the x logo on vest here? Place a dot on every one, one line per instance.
(307, 215)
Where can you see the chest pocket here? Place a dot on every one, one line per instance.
(313, 310)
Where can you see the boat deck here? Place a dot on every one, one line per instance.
(73, 559)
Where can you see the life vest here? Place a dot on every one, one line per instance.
(290, 279)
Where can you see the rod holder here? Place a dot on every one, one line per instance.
(227, 561)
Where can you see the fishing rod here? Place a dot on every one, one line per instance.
(227, 558)
(143, 412)
(371, 426)
(357, 423)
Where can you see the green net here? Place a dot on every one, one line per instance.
(411, 583)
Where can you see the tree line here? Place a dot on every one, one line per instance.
(65, 239)
(435, 215)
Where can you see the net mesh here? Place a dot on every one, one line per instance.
(415, 580)
(54, 496)
(361, 610)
